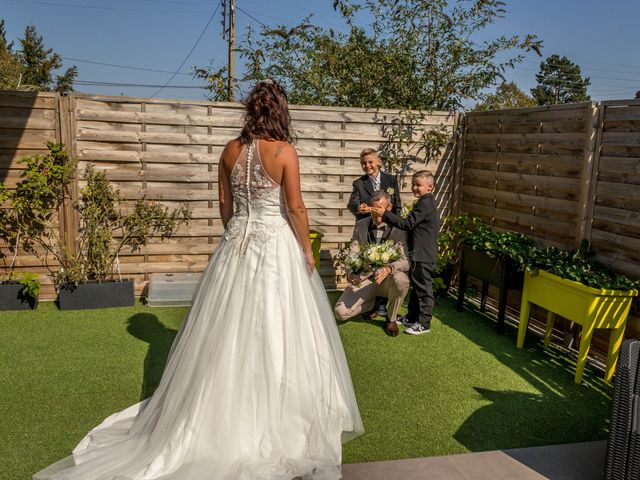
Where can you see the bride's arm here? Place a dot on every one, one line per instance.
(293, 198)
(224, 190)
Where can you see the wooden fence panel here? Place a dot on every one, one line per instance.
(522, 169)
(27, 121)
(168, 151)
(615, 228)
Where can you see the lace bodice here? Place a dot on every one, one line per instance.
(259, 209)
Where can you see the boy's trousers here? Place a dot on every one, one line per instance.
(421, 299)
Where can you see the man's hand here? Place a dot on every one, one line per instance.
(382, 274)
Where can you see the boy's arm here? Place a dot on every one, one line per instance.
(354, 200)
(397, 201)
(419, 214)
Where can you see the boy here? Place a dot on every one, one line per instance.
(423, 225)
(372, 180)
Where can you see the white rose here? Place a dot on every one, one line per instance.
(384, 257)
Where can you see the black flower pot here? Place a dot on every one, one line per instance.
(499, 271)
(12, 298)
(94, 294)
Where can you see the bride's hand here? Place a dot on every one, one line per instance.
(311, 261)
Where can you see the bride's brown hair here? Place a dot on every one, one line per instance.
(267, 114)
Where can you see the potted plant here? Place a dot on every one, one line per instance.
(85, 271)
(18, 291)
(570, 284)
(493, 257)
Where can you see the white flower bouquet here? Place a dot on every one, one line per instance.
(406, 209)
(378, 255)
(368, 258)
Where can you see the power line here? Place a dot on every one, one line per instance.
(56, 4)
(190, 51)
(130, 67)
(252, 17)
(94, 83)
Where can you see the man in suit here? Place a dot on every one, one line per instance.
(373, 179)
(391, 281)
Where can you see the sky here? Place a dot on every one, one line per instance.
(118, 44)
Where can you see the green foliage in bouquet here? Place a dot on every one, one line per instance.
(368, 258)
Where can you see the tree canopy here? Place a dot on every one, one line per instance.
(508, 95)
(560, 81)
(412, 54)
(32, 67)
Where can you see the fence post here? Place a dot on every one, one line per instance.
(590, 163)
(68, 224)
(460, 135)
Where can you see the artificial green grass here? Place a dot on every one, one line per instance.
(461, 388)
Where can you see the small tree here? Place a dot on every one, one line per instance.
(507, 96)
(105, 227)
(560, 81)
(33, 66)
(10, 67)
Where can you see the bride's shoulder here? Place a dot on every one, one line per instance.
(231, 152)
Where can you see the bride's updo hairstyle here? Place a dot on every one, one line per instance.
(267, 114)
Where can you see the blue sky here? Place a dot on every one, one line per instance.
(603, 39)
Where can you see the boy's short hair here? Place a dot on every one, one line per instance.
(426, 174)
(368, 151)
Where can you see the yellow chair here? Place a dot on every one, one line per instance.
(590, 307)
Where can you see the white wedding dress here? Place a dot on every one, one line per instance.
(256, 386)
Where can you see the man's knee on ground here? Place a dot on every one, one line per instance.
(342, 312)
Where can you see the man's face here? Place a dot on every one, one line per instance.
(384, 204)
(421, 186)
(370, 164)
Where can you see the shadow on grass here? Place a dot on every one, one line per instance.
(147, 327)
(560, 412)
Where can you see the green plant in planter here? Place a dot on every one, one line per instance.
(577, 265)
(482, 237)
(105, 228)
(446, 259)
(12, 234)
(31, 284)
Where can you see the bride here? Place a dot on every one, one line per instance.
(256, 386)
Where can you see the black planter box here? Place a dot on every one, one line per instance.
(11, 297)
(104, 294)
(501, 272)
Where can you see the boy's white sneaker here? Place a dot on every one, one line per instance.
(417, 329)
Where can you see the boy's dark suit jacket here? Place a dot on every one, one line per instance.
(363, 190)
(423, 224)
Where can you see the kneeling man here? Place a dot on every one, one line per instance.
(391, 281)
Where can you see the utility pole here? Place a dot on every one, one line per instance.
(231, 9)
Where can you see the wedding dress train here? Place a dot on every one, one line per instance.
(256, 385)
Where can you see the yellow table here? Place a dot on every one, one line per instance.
(590, 307)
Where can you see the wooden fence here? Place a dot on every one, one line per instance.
(168, 150)
(561, 174)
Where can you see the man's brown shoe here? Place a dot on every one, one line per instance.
(391, 329)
